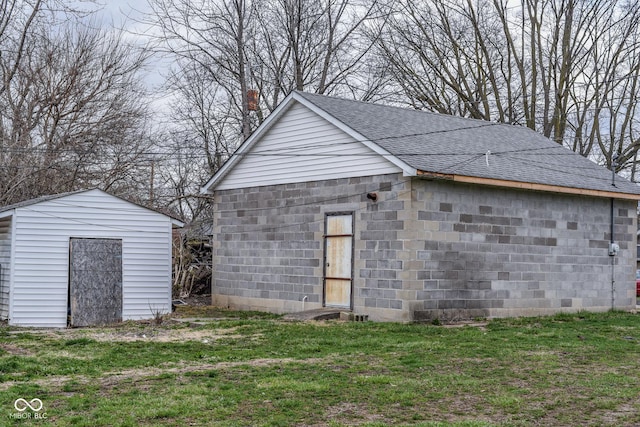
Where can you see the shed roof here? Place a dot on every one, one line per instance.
(461, 149)
(37, 200)
(26, 203)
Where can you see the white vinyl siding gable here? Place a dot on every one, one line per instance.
(41, 255)
(5, 264)
(302, 146)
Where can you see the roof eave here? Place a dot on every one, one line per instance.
(529, 186)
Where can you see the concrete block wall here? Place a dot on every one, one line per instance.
(424, 249)
(269, 245)
(381, 253)
(267, 249)
(491, 252)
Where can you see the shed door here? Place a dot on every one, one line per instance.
(338, 276)
(95, 281)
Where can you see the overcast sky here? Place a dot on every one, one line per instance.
(118, 10)
(125, 13)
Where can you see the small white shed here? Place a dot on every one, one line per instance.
(83, 258)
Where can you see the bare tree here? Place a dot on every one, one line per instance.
(566, 68)
(211, 36)
(317, 46)
(16, 20)
(203, 121)
(72, 116)
(272, 46)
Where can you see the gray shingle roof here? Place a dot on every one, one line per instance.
(438, 143)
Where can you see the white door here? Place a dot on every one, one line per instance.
(338, 269)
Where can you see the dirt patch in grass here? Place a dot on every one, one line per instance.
(162, 335)
(132, 332)
(480, 325)
(15, 350)
(621, 412)
(352, 414)
(114, 379)
(212, 312)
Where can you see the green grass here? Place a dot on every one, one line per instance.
(242, 369)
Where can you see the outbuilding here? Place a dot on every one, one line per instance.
(401, 214)
(83, 258)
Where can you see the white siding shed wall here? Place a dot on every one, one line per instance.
(320, 150)
(5, 266)
(41, 255)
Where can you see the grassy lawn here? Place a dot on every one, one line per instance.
(242, 369)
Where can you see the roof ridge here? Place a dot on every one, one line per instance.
(407, 109)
